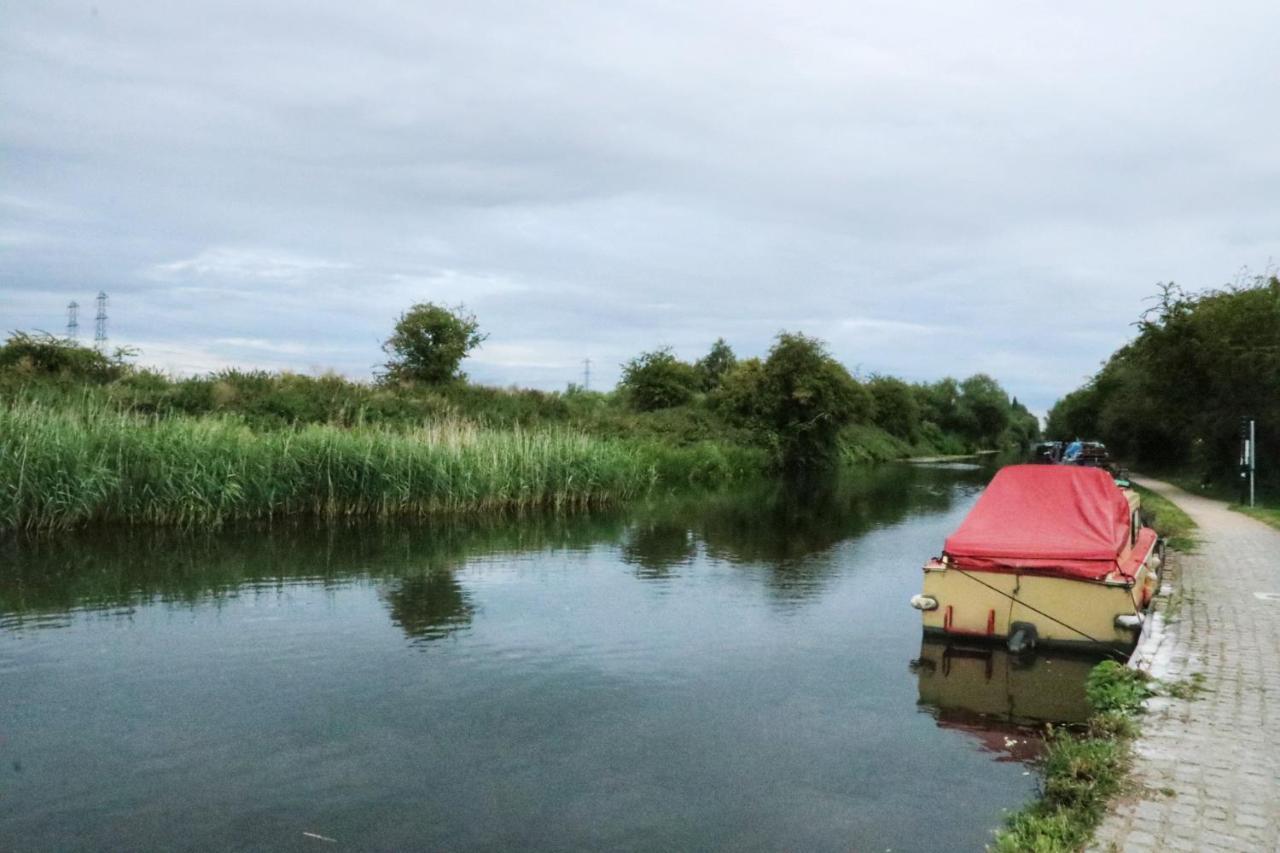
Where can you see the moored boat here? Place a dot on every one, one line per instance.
(1050, 555)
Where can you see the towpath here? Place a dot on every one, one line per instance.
(1208, 767)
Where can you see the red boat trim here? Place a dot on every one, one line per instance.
(991, 625)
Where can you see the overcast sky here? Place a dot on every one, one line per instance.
(933, 189)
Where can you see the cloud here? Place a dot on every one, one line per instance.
(251, 264)
(930, 188)
(871, 325)
(280, 347)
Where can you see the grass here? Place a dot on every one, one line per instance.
(147, 449)
(1082, 769)
(66, 466)
(119, 444)
(1172, 610)
(1188, 688)
(1168, 519)
(1266, 514)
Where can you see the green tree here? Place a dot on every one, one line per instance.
(740, 395)
(658, 380)
(897, 411)
(940, 403)
(984, 410)
(797, 400)
(1024, 427)
(1174, 396)
(429, 343)
(1075, 415)
(713, 366)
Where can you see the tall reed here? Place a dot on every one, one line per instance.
(63, 466)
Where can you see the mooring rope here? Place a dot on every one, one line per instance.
(1029, 607)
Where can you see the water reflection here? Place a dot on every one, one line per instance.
(428, 606)
(790, 529)
(657, 546)
(711, 671)
(959, 683)
(43, 580)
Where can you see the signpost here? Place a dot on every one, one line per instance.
(1248, 457)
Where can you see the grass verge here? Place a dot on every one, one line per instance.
(1266, 514)
(1082, 769)
(1168, 520)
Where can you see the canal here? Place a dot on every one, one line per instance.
(722, 672)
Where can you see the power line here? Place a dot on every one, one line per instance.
(73, 323)
(100, 322)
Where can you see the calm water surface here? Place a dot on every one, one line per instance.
(732, 672)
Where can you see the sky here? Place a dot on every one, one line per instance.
(932, 188)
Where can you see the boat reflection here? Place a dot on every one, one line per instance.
(996, 696)
(963, 682)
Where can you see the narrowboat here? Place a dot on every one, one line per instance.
(1050, 555)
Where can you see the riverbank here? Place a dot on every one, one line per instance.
(132, 446)
(1205, 774)
(67, 464)
(89, 437)
(1084, 768)
(63, 467)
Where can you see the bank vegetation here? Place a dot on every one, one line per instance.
(1171, 400)
(85, 436)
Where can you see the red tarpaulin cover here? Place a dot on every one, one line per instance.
(1059, 520)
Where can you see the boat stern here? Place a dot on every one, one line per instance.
(1025, 610)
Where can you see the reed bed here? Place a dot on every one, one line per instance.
(65, 466)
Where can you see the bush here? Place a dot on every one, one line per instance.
(26, 355)
(1114, 687)
(658, 380)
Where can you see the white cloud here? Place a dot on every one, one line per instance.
(881, 327)
(233, 264)
(280, 347)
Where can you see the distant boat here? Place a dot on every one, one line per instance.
(1050, 555)
(1092, 453)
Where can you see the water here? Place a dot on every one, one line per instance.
(732, 672)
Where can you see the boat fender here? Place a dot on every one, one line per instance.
(924, 602)
(1022, 637)
(1128, 621)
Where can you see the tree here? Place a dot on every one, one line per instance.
(984, 409)
(1024, 427)
(797, 400)
(429, 343)
(940, 403)
(897, 411)
(1174, 396)
(658, 380)
(713, 366)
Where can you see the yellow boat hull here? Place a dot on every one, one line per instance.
(1101, 615)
